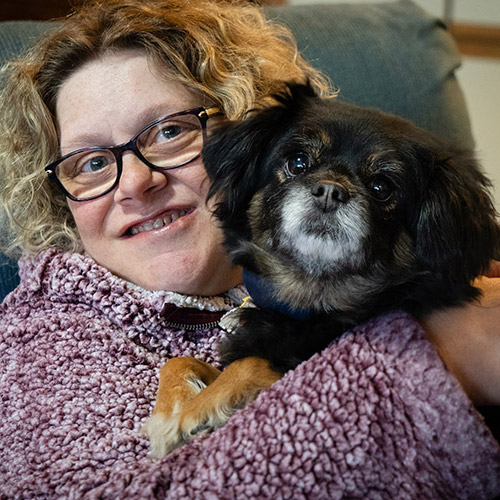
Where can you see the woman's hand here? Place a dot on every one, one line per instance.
(468, 340)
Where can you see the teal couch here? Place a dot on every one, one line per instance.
(392, 56)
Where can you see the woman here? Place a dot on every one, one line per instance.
(84, 335)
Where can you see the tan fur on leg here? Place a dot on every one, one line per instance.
(181, 379)
(237, 386)
(194, 397)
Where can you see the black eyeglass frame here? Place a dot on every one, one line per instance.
(203, 114)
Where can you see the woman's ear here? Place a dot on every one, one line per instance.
(457, 231)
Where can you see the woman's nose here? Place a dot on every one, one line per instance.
(137, 180)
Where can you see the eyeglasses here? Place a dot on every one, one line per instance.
(167, 143)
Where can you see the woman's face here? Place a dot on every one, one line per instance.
(106, 102)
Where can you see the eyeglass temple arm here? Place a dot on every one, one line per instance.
(213, 111)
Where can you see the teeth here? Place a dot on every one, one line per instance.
(158, 223)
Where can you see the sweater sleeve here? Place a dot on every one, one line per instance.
(375, 415)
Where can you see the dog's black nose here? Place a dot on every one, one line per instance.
(329, 194)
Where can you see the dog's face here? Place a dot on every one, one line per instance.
(341, 206)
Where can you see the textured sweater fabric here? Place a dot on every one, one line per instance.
(374, 416)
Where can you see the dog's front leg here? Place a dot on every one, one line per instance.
(238, 385)
(181, 379)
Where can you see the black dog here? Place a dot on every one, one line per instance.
(339, 213)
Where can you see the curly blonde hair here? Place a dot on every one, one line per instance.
(227, 51)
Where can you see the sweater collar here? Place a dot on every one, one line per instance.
(77, 278)
(71, 288)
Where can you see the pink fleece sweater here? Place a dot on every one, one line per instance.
(374, 416)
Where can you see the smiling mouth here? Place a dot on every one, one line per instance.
(158, 223)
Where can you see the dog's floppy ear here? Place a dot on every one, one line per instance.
(233, 158)
(457, 231)
(235, 154)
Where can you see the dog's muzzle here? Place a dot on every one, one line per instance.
(329, 194)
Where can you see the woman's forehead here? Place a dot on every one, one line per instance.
(118, 93)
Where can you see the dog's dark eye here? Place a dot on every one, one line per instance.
(296, 164)
(381, 188)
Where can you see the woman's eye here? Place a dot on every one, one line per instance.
(94, 164)
(296, 164)
(381, 188)
(168, 133)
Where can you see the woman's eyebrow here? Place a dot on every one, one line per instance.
(141, 120)
(155, 112)
(162, 110)
(84, 140)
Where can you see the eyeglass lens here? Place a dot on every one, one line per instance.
(170, 143)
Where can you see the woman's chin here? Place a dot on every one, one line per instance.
(201, 282)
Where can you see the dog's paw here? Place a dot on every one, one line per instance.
(163, 427)
(202, 419)
(163, 433)
(210, 410)
(199, 416)
(188, 407)
(166, 433)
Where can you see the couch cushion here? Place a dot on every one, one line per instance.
(392, 56)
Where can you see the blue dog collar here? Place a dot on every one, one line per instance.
(263, 295)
